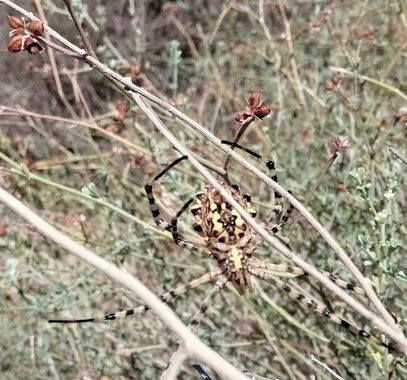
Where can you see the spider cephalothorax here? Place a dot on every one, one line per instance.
(226, 233)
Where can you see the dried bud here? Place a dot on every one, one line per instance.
(262, 112)
(15, 22)
(3, 229)
(239, 117)
(14, 32)
(242, 116)
(329, 86)
(15, 44)
(342, 188)
(32, 46)
(254, 99)
(35, 27)
(401, 115)
(120, 111)
(339, 143)
(333, 84)
(335, 80)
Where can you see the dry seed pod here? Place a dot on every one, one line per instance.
(35, 27)
(15, 22)
(15, 44)
(32, 46)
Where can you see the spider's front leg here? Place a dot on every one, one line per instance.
(155, 211)
(281, 211)
(173, 226)
(179, 240)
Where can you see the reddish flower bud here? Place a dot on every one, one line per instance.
(262, 112)
(254, 99)
(15, 44)
(35, 27)
(15, 22)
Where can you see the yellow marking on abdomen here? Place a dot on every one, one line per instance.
(236, 258)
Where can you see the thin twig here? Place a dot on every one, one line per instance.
(397, 154)
(324, 365)
(81, 32)
(192, 344)
(22, 170)
(236, 139)
(293, 62)
(176, 361)
(353, 74)
(10, 111)
(54, 65)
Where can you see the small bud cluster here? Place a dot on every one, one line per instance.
(401, 116)
(333, 84)
(22, 35)
(339, 144)
(255, 108)
(121, 111)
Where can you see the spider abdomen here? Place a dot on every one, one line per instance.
(216, 220)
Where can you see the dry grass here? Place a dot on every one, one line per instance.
(205, 58)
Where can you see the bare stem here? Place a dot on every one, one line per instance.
(385, 86)
(81, 32)
(397, 154)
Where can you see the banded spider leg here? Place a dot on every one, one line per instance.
(165, 297)
(318, 307)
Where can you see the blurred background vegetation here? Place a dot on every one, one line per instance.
(79, 153)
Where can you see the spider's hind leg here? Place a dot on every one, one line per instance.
(317, 307)
(165, 297)
(286, 270)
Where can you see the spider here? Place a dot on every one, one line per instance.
(227, 239)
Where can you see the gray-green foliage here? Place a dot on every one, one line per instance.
(361, 200)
